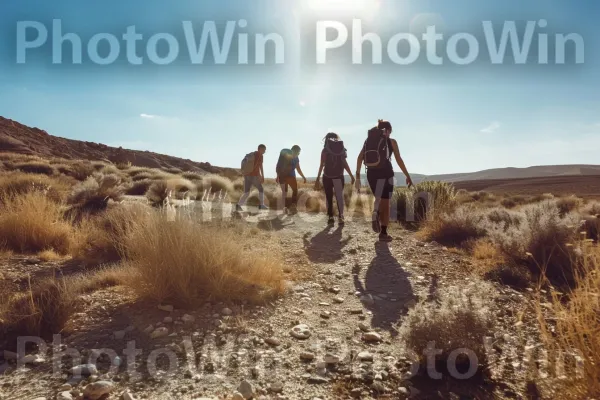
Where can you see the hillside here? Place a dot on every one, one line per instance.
(21, 139)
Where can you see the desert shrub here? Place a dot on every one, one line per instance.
(157, 193)
(123, 166)
(424, 200)
(504, 218)
(139, 188)
(508, 202)
(31, 223)
(575, 326)
(568, 204)
(42, 311)
(173, 170)
(49, 255)
(313, 201)
(516, 276)
(184, 262)
(591, 208)
(192, 176)
(216, 183)
(462, 319)
(78, 170)
(542, 197)
(177, 188)
(238, 185)
(15, 184)
(142, 176)
(542, 240)
(101, 237)
(591, 226)
(457, 228)
(33, 167)
(93, 194)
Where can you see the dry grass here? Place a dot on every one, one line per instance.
(455, 229)
(577, 327)
(49, 255)
(17, 183)
(32, 223)
(178, 188)
(461, 321)
(34, 167)
(215, 183)
(184, 262)
(568, 204)
(93, 194)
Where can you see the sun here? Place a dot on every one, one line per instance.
(344, 5)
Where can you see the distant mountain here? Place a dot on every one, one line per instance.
(509, 173)
(18, 138)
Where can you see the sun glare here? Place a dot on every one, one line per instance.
(343, 5)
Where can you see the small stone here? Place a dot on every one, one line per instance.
(149, 329)
(168, 320)
(166, 308)
(338, 300)
(226, 311)
(96, 390)
(301, 331)
(127, 396)
(276, 387)
(365, 356)
(273, 341)
(325, 315)
(188, 319)
(378, 387)
(335, 290)
(246, 390)
(65, 395)
(364, 327)
(371, 337)
(317, 380)
(65, 387)
(307, 356)
(159, 332)
(237, 396)
(331, 359)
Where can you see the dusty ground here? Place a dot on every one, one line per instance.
(342, 284)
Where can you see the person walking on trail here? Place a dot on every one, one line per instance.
(254, 175)
(376, 155)
(287, 165)
(333, 164)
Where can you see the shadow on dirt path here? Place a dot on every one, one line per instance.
(386, 289)
(327, 246)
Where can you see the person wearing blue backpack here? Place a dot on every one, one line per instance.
(377, 156)
(333, 164)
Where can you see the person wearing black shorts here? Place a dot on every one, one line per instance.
(381, 178)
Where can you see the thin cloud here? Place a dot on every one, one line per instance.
(493, 127)
(157, 117)
(149, 116)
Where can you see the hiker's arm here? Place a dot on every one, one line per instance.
(300, 172)
(262, 173)
(401, 163)
(359, 163)
(320, 170)
(349, 171)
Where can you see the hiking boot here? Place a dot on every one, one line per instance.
(375, 224)
(341, 220)
(239, 208)
(263, 207)
(384, 237)
(330, 221)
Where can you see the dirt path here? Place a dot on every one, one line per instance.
(351, 296)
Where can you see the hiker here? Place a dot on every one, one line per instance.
(287, 165)
(376, 155)
(333, 164)
(254, 175)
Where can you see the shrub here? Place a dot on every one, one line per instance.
(216, 183)
(192, 176)
(458, 228)
(140, 188)
(461, 320)
(41, 168)
(173, 170)
(313, 201)
(178, 188)
(78, 170)
(157, 193)
(184, 262)
(32, 223)
(43, 311)
(14, 184)
(504, 218)
(591, 208)
(93, 194)
(568, 204)
(424, 200)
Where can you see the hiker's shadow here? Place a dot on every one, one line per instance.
(278, 223)
(386, 291)
(326, 246)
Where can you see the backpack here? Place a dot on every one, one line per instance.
(376, 149)
(248, 163)
(335, 154)
(284, 164)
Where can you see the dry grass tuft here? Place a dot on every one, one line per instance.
(35, 167)
(185, 263)
(93, 194)
(14, 184)
(32, 223)
(461, 321)
(455, 229)
(215, 183)
(568, 204)
(49, 255)
(577, 327)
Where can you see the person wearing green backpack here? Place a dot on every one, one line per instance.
(254, 175)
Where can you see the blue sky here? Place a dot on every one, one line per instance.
(446, 118)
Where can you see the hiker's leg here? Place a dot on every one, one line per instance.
(384, 210)
(294, 185)
(338, 185)
(247, 187)
(261, 190)
(283, 185)
(328, 186)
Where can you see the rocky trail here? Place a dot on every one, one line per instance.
(337, 334)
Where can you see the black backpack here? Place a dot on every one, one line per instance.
(376, 149)
(335, 155)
